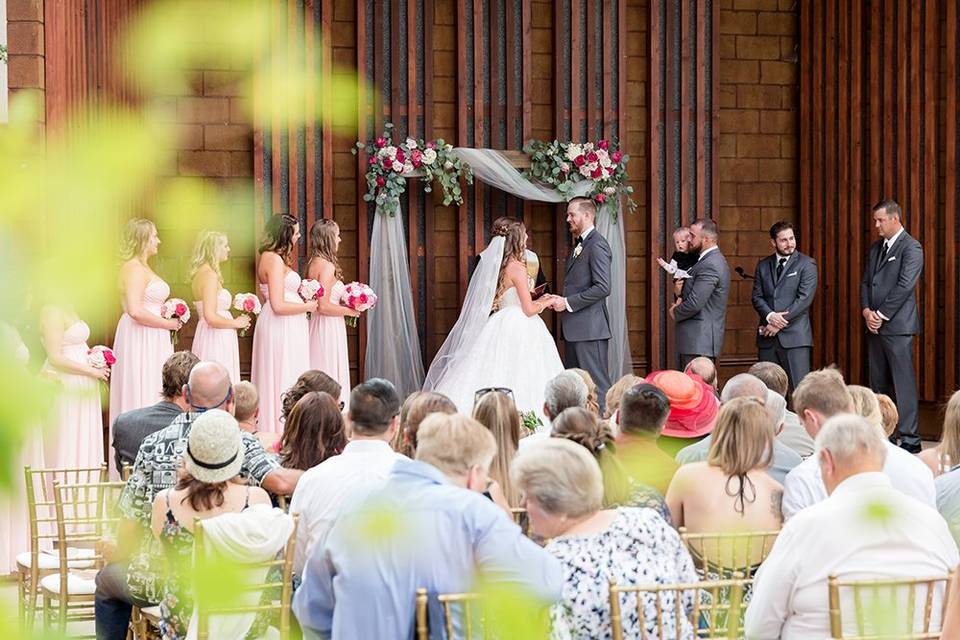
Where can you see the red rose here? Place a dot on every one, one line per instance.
(609, 170)
(248, 304)
(596, 173)
(616, 156)
(387, 163)
(400, 155)
(363, 298)
(372, 160)
(416, 157)
(180, 309)
(600, 198)
(579, 161)
(381, 142)
(381, 181)
(592, 157)
(109, 358)
(602, 144)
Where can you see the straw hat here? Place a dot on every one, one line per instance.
(693, 406)
(214, 447)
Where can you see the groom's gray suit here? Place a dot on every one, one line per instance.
(586, 325)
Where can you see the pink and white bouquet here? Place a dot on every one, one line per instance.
(175, 308)
(247, 304)
(359, 297)
(310, 289)
(101, 357)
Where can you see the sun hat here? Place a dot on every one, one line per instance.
(214, 447)
(693, 406)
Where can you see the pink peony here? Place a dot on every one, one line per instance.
(616, 156)
(602, 144)
(381, 181)
(416, 157)
(579, 161)
(381, 142)
(180, 309)
(248, 305)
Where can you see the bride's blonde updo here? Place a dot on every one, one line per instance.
(514, 248)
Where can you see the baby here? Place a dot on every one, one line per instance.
(683, 258)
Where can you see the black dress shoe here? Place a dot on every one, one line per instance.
(894, 439)
(911, 448)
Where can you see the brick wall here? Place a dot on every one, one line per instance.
(25, 47)
(758, 145)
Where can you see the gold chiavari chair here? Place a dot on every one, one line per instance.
(37, 563)
(468, 603)
(715, 608)
(519, 515)
(723, 554)
(126, 471)
(87, 518)
(280, 607)
(888, 608)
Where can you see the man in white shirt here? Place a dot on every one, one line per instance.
(819, 396)
(365, 462)
(866, 529)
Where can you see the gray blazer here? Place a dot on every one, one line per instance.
(586, 287)
(792, 293)
(702, 314)
(891, 289)
(130, 428)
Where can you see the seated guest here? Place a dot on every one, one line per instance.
(644, 410)
(615, 394)
(744, 385)
(693, 408)
(313, 432)
(444, 536)
(706, 369)
(563, 488)
(312, 380)
(566, 389)
(819, 396)
(889, 413)
(135, 580)
(366, 460)
(619, 490)
(866, 405)
(497, 412)
(593, 402)
(793, 434)
(865, 529)
(131, 427)
(213, 458)
(731, 492)
(946, 455)
(247, 413)
(418, 406)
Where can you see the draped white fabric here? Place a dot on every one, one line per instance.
(393, 345)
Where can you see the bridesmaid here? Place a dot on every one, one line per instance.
(216, 336)
(328, 332)
(281, 339)
(75, 435)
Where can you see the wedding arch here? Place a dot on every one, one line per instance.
(559, 171)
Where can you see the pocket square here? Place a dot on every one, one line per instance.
(891, 258)
(792, 274)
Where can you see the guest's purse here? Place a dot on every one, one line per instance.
(540, 291)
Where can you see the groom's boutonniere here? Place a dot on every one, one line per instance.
(577, 251)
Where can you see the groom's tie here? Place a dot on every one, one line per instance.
(578, 241)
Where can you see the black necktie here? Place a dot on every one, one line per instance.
(578, 241)
(883, 255)
(780, 264)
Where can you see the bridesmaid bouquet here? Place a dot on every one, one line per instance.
(101, 357)
(310, 289)
(359, 297)
(248, 304)
(175, 308)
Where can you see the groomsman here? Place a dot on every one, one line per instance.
(783, 288)
(889, 302)
(701, 310)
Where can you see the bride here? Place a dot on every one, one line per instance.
(499, 341)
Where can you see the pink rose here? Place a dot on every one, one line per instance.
(181, 309)
(600, 198)
(381, 142)
(616, 156)
(591, 157)
(431, 145)
(602, 144)
(372, 160)
(416, 157)
(579, 161)
(248, 304)
(363, 298)
(596, 173)
(400, 155)
(381, 181)
(109, 358)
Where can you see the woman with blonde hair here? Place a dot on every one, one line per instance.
(731, 492)
(414, 410)
(946, 454)
(593, 402)
(866, 404)
(142, 339)
(216, 336)
(496, 411)
(328, 331)
(615, 395)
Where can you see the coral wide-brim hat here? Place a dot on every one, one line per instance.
(693, 406)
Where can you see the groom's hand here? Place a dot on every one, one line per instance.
(559, 304)
(674, 306)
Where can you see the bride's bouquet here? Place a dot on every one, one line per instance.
(357, 296)
(310, 289)
(175, 308)
(247, 304)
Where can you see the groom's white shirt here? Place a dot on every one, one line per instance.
(583, 238)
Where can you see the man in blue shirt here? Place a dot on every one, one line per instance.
(428, 525)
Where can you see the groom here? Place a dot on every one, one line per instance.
(586, 327)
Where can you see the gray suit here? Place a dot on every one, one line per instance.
(586, 328)
(793, 292)
(889, 288)
(131, 427)
(702, 314)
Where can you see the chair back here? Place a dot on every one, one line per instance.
(723, 554)
(284, 584)
(519, 515)
(901, 608)
(455, 606)
(709, 609)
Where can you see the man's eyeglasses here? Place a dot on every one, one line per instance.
(482, 392)
(200, 409)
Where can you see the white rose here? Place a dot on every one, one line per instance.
(564, 167)
(390, 151)
(603, 157)
(397, 166)
(609, 191)
(573, 151)
(448, 147)
(429, 156)
(407, 167)
(585, 170)
(411, 143)
(588, 146)
(448, 165)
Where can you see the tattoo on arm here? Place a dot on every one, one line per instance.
(776, 504)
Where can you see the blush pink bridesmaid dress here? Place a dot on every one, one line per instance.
(218, 345)
(281, 352)
(328, 349)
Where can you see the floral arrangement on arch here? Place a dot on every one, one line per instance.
(389, 165)
(564, 164)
